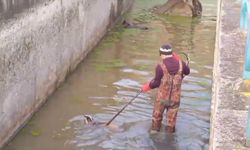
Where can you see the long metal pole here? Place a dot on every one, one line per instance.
(187, 57)
(124, 107)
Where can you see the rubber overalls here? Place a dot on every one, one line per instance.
(168, 97)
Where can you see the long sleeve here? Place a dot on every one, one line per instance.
(172, 67)
(156, 81)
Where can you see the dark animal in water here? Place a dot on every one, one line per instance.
(127, 24)
(90, 121)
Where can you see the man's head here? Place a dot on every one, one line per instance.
(166, 49)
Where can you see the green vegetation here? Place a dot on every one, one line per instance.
(77, 99)
(143, 67)
(145, 16)
(179, 21)
(36, 132)
(106, 66)
(147, 4)
(204, 84)
(131, 32)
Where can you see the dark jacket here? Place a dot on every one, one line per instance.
(172, 66)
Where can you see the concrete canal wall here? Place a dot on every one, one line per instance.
(40, 43)
(229, 106)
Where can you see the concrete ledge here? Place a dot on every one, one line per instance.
(40, 46)
(229, 106)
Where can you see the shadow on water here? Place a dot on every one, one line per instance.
(113, 73)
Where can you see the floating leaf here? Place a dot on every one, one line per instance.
(36, 132)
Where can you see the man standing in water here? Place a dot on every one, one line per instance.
(168, 77)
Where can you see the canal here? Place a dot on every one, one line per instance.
(113, 73)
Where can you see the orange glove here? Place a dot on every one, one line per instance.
(177, 57)
(145, 87)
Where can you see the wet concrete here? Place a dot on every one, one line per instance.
(229, 105)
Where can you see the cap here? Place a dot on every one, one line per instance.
(166, 49)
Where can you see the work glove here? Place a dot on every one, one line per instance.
(145, 87)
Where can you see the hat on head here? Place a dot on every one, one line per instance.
(166, 49)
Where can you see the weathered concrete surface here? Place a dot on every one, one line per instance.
(8, 8)
(40, 46)
(229, 106)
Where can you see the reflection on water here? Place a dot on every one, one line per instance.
(113, 74)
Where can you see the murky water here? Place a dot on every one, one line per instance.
(113, 73)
